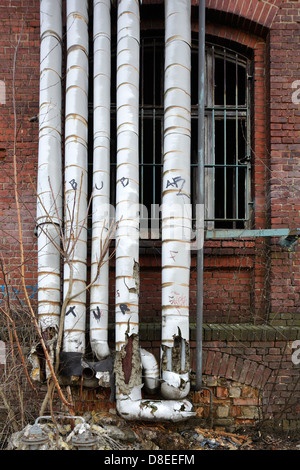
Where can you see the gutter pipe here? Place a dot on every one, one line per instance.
(200, 194)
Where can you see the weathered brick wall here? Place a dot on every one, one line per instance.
(27, 73)
(252, 372)
(19, 59)
(250, 376)
(284, 145)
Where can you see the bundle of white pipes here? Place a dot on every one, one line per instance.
(131, 361)
(49, 186)
(76, 169)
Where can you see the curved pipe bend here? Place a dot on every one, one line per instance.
(132, 407)
(150, 371)
(175, 386)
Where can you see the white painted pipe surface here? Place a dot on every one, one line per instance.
(99, 292)
(76, 138)
(176, 198)
(49, 186)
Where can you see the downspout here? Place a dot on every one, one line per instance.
(128, 363)
(200, 194)
(76, 138)
(49, 186)
(176, 201)
(101, 178)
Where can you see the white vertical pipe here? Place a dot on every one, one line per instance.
(99, 292)
(130, 405)
(49, 186)
(176, 207)
(76, 138)
(127, 190)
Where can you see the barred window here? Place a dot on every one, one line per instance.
(227, 134)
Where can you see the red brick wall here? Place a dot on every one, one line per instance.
(285, 175)
(251, 381)
(282, 129)
(14, 16)
(244, 281)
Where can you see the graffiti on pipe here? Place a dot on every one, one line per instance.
(124, 181)
(124, 308)
(177, 182)
(99, 188)
(177, 300)
(173, 255)
(71, 310)
(97, 313)
(73, 184)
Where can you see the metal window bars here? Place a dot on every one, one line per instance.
(227, 134)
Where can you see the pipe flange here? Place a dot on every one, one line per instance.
(35, 438)
(84, 441)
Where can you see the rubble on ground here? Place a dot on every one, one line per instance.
(108, 431)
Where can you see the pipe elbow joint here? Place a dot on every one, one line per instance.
(175, 386)
(151, 372)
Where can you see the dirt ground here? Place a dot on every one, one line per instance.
(187, 437)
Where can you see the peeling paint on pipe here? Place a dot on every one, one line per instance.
(130, 404)
(150, 410)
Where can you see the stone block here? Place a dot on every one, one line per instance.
(223, 411)
(234, 392)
